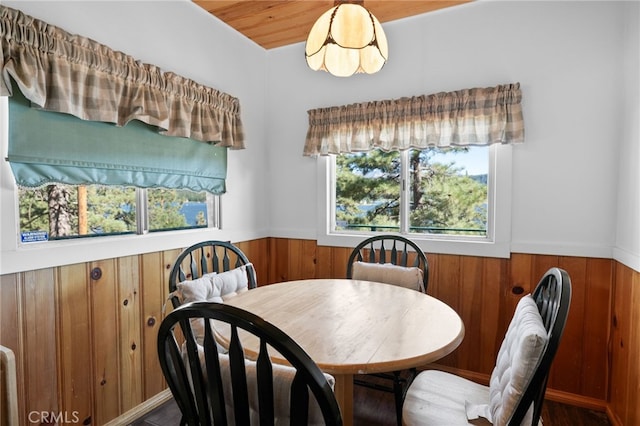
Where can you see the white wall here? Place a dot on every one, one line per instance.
(181, 37)
(576, 188)
(567, 57)
(628, 230)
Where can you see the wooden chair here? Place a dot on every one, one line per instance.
(207, 257)
(392, 259)
(211, 387)
(519, 380)
(390, 249)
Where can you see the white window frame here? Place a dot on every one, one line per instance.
(18, 257)
(497, 242)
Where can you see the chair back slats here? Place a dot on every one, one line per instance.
(390, 248)
(299, 400)
(238, 379)
(265, 392)
(206, 257)
(197, 377)
(203, 265)
(553, 298)
(372, 254)
(215, 261)
(394, 255)
(178, 372)
(199, 386)
(225, 260)
(214, 378)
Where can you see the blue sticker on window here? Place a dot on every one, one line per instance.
(34, 236)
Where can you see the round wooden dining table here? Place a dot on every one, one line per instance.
(356, 327)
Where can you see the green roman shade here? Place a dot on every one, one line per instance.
(49, 147)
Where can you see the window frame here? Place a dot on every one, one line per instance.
(495, 244)
(17, 257)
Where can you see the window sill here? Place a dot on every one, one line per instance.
(481, 247)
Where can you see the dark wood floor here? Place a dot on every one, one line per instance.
(375, 408)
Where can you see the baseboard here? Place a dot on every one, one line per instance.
(576, 400)
(140, 410)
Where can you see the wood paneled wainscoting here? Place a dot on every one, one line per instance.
(84, 335)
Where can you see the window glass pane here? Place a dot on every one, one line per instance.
(65, 211)
(448, 191)
(176, 209)
(368, 191)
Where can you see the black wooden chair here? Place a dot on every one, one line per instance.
(392, 259)
(390, 249)
(519, 380)
(204, 258)
(211, 387)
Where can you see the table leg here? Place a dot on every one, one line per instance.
(344, 395)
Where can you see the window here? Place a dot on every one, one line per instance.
(82, 179)
(56, 212)
(418, 190)
(432, 191)
(125, 124)
(459, 203)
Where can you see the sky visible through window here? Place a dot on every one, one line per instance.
(475, 161)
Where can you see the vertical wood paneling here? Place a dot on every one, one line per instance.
(621, 310)
(625, 347)
(494, 278)
(332, 262)
(302, 259)
(595, 331)
(567, 364)
(258, 253)
(129, 333)
(74, 328)
(10, 327)
(153, 298)
(279, 264)
(470, 308)
(168, 258)
(521, 273)
(39, 336)
(105, 341)
(633, 375)
(104, 331)
(445, 284)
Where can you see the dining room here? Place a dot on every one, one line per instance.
(82, 315)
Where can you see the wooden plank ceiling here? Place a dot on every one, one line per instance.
(278, 23)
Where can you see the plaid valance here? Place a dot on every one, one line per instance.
(67, 73)
(479, 116)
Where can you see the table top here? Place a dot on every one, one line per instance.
(357, 327)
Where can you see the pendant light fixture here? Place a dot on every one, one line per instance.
(347, 39)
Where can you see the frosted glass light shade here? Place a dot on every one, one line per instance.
(345, 40)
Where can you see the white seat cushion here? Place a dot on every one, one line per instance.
(408, 277)
(212, 287)
(438, 398)
(517, 359)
